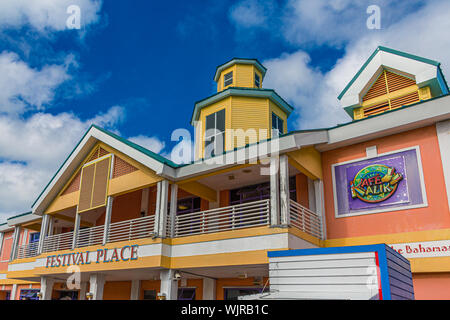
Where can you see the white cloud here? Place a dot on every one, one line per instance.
(150, 143)
(306, 88)
(251, 13)
(23, 87)
(32, 149)
(46, 15)
(314, 94)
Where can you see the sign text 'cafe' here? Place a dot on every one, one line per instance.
(126, 253)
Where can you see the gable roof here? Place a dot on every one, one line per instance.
(426, 71)
(155, 162)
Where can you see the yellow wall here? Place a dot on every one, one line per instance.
(248, 113)
(141, 178)
(308, 161)
(240, 113)
(243, 76)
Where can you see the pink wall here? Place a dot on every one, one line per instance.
(435, 216)
(432, 286)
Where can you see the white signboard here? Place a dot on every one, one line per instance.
(424, 249)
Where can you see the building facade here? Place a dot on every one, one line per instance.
(118, 221)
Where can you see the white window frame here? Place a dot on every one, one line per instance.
(215, 133)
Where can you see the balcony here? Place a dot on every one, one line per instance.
(247, 215)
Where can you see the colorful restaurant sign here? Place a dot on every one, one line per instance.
(385, 183)
(375, 183)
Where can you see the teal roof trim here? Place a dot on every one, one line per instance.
(381, 48)
(246, 92)
(227, 64)
(145, 151)
(19, 215)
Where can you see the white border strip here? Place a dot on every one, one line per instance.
(421, 177)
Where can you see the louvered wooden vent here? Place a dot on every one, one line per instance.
(376, 109)
(389, 83)
(94, 185)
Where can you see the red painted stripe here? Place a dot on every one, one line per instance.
(380, 291)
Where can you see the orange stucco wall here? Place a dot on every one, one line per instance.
(6, 250)
(117, 290)
(301, 185)
(432, 286)
(149, 285)
(435, 216)
(125, 207)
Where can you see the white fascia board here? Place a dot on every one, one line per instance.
(6, 228)
(84, 147)
(245, 155)
(400, 120)
(72, 162)
(129, 151)
(23, 219)
(422, 72)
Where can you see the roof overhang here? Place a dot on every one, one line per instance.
(410, 117)
(4, 227)
(89, 140)
(241, 92)
(424, 71)
(234, 61)
(407, 118)
(22, 218)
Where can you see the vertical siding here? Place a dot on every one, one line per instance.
(400, 277)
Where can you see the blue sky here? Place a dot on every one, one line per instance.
(138, 67)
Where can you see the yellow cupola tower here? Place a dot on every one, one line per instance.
(240, 113)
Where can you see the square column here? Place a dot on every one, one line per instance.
(2, 235)
(109, 204)
(83, 291)
(97, 283)
(15, 243)
(13, 292)
(274, 191)
(320, 205)
(46, 288)
(169, 285)
(209, 289)
(284, 190)
(76, 229)
(162, 192)
(173, 208)
(135, 289)
(43, 234)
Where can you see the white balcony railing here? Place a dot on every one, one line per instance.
(235, 217)
(62, 241)
(305, 219)
(90, 236)
(28, 250)
(131, 229)
(240, 216)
